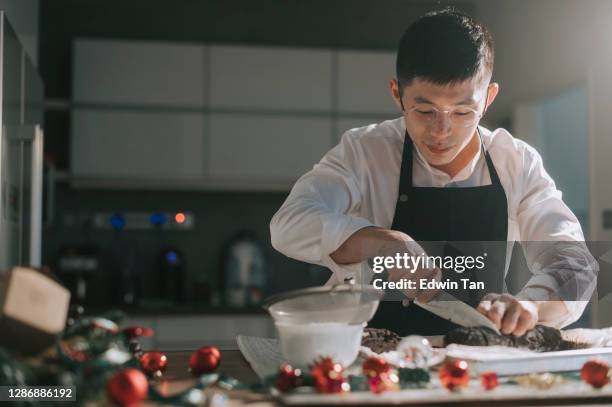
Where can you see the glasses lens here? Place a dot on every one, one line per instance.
(464, 118)
(423, 115)
(460, 117)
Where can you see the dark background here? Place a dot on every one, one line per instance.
(357, 24)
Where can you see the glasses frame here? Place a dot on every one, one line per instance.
(478, 115)
(438, 112)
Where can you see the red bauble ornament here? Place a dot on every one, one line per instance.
(489, 380)
(288, 378)
(204, 360)
(595, 373)
(454, 375)
(373, 366)
(380, 383)
(133, 332)
(328, 377)
(128, 386)
(153, 363)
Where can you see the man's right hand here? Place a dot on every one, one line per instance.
(374, 241)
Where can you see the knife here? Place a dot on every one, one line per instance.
(449, 307)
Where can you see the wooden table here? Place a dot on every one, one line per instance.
(177, 378)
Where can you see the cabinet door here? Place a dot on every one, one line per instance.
(132, 145)
(363, 82)
(142, 73)
(266, 149)
(270, 78)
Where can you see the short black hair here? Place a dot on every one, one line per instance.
(444, 47)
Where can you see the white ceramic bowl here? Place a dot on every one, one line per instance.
(302, 344)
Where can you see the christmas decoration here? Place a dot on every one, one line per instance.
(328, 376)
(153, 363)
(204, 360)
(288, 378)
(358, 383)
(135, 348)
(540, 381)
(133, 332)
(128, 386)
(413, 377)
(380, 383)
(104, 324)
(415, 350)
(489, 380)
(374, 366)
(454, 375)
(596, 373)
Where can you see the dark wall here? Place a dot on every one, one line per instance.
(358, 24)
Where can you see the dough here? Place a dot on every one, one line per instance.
(541, 339)
(380, 340)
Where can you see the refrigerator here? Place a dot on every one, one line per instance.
(21, 154)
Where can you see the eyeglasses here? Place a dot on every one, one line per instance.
(460, 116)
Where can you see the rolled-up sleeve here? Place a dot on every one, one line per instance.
(316, 219)
(554, 245)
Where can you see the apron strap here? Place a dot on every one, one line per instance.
(406, 166)
(492, 172)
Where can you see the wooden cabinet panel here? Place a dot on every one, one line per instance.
(138, 145)
(271, 148)
(363, 82)
(271, 78)
(144, 73)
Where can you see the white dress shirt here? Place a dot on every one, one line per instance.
(355, 185)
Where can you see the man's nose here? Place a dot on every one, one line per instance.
(442, 125)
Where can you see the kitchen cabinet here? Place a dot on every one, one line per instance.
(170, 116)
(270, 78)
(123, 146)
(271, 149)
(189, 332)
(139, 73)
(363, 82)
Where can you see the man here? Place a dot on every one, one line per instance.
(436, 175)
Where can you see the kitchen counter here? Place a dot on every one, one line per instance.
(145, 311)
(177, 378)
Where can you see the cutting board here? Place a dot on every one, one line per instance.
(508, 361)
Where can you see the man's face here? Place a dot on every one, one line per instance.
(442, 139)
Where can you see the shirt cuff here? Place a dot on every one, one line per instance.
(336, 230)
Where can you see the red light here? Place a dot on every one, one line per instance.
(179, 217)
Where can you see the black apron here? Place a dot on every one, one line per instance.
(448, 222)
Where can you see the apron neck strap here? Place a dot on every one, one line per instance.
(406, 166)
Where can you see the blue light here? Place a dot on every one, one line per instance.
(158, 218)
(172, 257)
(117, 221)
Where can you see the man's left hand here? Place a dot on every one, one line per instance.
(511, 315)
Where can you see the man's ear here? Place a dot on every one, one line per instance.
(395, 94)
(492, 91)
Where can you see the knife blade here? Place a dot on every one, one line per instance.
(449, 307)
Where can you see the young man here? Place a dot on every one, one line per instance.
(435, 175)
